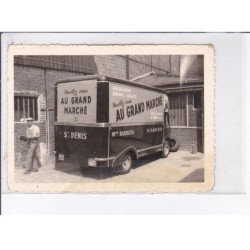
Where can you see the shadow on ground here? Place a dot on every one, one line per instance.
(102, 173)
(106, 173)
(196, 176)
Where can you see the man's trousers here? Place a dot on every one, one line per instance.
(32, 155)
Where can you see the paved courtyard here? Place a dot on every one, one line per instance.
(178, 167)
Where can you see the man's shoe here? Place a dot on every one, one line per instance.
(35, 170)
(26, 172)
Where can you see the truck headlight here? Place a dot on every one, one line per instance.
(91, 162)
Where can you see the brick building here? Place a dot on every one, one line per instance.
(35, 78)
(185, 108)
(185, 88)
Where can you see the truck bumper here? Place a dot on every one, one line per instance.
(100, 162)
(89, 162)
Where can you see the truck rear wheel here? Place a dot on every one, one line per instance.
(165, 149)
(126, 164)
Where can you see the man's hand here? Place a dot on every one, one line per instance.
(23, 138)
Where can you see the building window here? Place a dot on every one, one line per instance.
(25, 106)
(177, 109)
(197, 100)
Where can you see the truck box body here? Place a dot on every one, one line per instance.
(99, 118)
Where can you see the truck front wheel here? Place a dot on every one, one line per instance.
(125, 166)
(165, 149)
(174, 145)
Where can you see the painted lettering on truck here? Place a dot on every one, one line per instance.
(128, 104)
(77, 102)
(75, 135)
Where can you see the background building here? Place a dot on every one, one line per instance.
(186, 100)
(180, 76)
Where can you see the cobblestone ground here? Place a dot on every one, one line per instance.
(178, 167)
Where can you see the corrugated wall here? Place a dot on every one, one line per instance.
(80, 64)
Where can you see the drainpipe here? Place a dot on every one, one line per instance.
(127, 67)
(170, 65)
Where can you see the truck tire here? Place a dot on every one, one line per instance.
(125, 166)
(174, 145)
(165, 149)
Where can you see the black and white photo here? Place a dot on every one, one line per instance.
(112, 121)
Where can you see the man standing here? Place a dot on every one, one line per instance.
(166, 116)
(32, 135)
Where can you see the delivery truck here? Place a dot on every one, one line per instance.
(102, 121)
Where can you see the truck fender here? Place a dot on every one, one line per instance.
(167, 139)
(132, 150)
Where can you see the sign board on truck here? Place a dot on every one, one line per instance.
(130, 104)
(76, 102)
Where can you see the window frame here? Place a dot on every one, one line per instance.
(194, 93)
(186, 107)
(189, 108)
(27, 95)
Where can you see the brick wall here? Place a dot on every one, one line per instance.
(32, 79)
(29, 79)
(139, 65)
(175, 65)
(137, 69)
(51, 77)
(157, 63)
(162, 62)
(188, 138)
(114, 66)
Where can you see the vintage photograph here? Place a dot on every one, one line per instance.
(111, 122)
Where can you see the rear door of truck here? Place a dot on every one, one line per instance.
(78, 136)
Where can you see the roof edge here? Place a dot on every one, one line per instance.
(110, 79)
